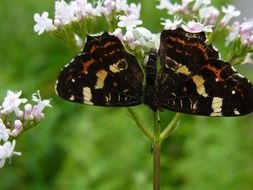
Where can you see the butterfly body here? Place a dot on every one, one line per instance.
(192, 79)
(150, 89)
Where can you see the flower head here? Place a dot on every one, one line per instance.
(109, 6)
(64, 14)
(78, 8)
(41, 104)
(98, 10)
(233, 32)
(130, 39)
(196, 27)
(199, 3)
(246, 31)
(172, 25)
(7, 151)
(230, 12)
(18, 127)
(43, 23)
(129, 22)
(118, 33)
(121, 5)
(210, 14)
(4, 132)
(144, 37)
(166, 4)
(11, 103)
(134, 9)
(184, 6)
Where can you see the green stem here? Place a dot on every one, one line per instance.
(156, 152)
(170, 128)
(144, 129)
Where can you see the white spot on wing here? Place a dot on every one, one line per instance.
(236, 112)
(119, 66)
(87, 96)
(71, 98)
(216, 106)
(199, 82)
(183, 69)
(101, 75)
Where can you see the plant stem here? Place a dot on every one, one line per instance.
(170, 128)
(156, 151)
(144, 129)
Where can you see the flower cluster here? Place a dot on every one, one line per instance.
(123, 20)
(200, 15)
(212, 19)
(14, 120)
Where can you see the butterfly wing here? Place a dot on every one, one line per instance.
(102, 74)
(193, 80)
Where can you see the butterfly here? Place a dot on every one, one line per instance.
(192, 78)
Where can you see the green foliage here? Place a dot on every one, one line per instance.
(83, 147)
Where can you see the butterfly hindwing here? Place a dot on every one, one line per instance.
(102, 74)
(193, 80)
(182, 54)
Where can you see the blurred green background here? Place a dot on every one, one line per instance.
(92, 148)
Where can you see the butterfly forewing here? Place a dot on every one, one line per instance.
(102, 74)
(193, 80)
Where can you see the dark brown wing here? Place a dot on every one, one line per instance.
(194, 80)
(102, 74)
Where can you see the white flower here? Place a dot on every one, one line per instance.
(144, 37)
(134, 9)
(196, 27)
(165, 4)
(64, 13)
(121, 5)
(245, 32)
(118, 33)
(79, 8)
(109, 6)
(41, 104)
(230, 12)
(199, 3)
(233, 33)
(184, 7)
(18, 127)
(27, 113)
(43, 23)
(172, 8)
(4, 132)
(11, 103)
(99, 9)
(130, 39)
(210, 14)
(171, 25)
(7, 151)
(129, 22)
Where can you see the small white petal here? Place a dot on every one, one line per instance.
(129, 22)
(196, 27)
(43, 23)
